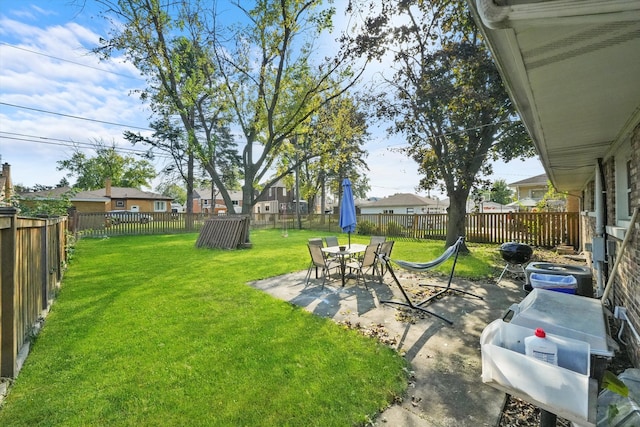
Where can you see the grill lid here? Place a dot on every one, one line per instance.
(516, 253)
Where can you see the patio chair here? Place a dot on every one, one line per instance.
(385, 249)
(451, 251)
(318, 242)
(366, 263)
(377, 240)
(319, 261)
(331, 241)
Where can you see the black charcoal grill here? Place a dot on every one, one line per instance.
(516, 255)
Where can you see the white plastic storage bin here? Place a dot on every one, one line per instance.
(566, 390)
(566, 284)
(572, 316)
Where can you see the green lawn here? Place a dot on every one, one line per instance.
(151, 331)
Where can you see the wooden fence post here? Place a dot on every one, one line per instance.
(8, 280)
(44, 254)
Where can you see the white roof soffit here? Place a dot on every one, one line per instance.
(497, 14)
(571, 67)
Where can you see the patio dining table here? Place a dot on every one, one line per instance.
(343, 253)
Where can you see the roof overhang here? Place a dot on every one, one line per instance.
(90, 199)
(572, 69)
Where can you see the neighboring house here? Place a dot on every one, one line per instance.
(203, 202)
(529, 192)
(177, 207)
(404, 203)
(120, 198)
(330, 206)
(106, 199)
(489, 207)
(572, 70)
(278, 199)
(52, 195)
(5, 184)
(533, 188)
(236, 200)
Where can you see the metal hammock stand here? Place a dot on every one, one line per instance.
(452, 250)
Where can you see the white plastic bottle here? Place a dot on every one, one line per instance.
(540, 347)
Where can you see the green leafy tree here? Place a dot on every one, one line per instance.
(173, 190)
(332, 150)
(501, 193)
(553, 200)
(218, 156)
(91, 172)
(257, 68)
(274, 86)
(20, 188)
(168, 42)
(444, 95)
(346, 125)
(55, 205)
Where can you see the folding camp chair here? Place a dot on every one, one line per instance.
(452, 250)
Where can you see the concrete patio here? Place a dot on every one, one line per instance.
(445, 387)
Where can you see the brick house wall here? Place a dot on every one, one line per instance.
(627, 281)
(626, 285)
(99, 206)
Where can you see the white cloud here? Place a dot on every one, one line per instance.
(51, 69)
(55, 82)
(391, 173)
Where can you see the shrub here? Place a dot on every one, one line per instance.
(394, 229)
(366, 227)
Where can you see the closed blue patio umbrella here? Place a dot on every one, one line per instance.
(347, 209)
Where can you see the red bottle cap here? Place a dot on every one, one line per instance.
(540, 333)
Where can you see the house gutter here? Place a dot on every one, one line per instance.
(501, 14)
(600, 206)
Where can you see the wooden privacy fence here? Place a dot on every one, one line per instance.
(99, 224)
(32, 259)
(544, 229)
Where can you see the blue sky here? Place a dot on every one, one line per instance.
(54, 93)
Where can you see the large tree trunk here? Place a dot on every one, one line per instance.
(247, 202)
(323, 196)
(249, 176)
(457, 219)
(189, 215)
(247, 197)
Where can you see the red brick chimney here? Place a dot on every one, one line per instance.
(107, 187)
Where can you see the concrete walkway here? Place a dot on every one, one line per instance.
(446, 389)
